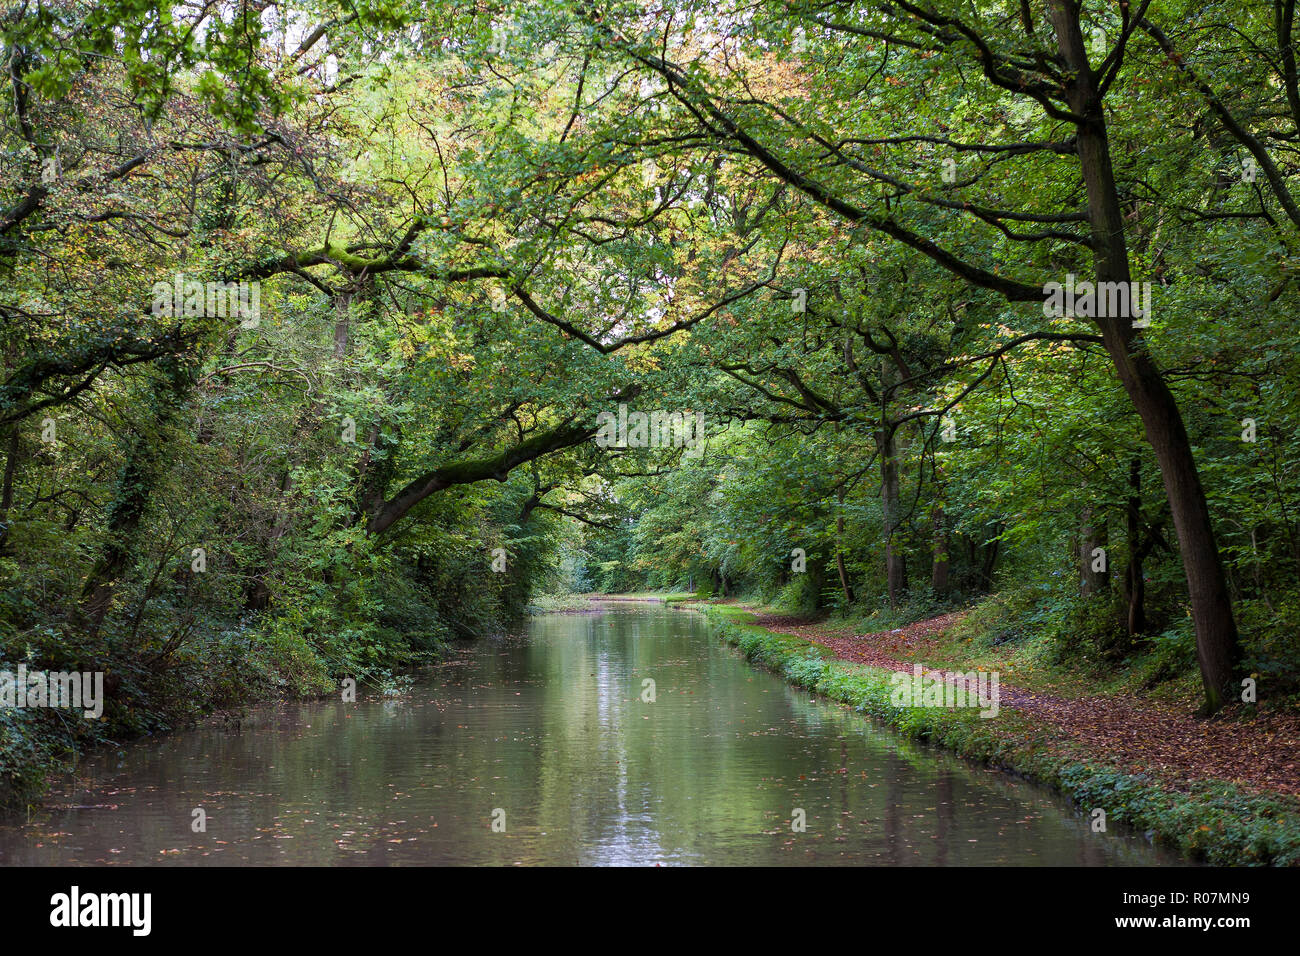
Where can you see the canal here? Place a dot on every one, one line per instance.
(625, 736)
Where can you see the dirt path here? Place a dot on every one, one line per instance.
(1262, 753)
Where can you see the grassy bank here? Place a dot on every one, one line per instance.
(1216, 822)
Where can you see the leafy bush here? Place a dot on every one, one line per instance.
(800, 596)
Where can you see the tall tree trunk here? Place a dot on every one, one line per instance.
(1216, 632)
(1135, 616)
(1093, 539)
(939, 539)
(939, 569)
(991, 550)
(887, 443)
(895, 560)
(7, 483)
(845, 587)
(1207, 584)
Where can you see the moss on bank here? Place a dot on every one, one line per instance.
(1216, 822)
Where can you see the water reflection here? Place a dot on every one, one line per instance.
(552, 729)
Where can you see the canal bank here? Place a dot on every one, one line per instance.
(1214, 821)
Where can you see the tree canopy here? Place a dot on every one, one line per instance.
(411, 251)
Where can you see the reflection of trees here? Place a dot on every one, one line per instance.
(944, 817)
(553, 730)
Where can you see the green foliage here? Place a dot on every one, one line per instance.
(1175, 649)
(800, 596)
(467, 253)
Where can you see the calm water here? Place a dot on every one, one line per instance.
(552, 730)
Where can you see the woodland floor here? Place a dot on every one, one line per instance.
(1259, 752)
